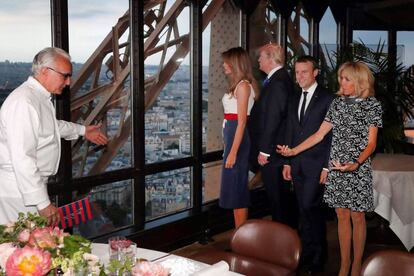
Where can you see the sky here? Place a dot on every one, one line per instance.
(25, 28)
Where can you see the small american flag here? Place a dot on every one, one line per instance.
(75, 212)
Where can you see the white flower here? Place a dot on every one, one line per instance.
(9, 228)
(6, 249)
(90, 258)
(69, 272)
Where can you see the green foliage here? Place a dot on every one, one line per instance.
(118, 267)
(24, 221)
(394, 88)
(73, 244)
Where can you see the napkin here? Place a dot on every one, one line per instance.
(214, 270)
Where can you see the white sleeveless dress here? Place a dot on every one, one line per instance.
(234, 192)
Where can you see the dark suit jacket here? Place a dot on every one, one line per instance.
(267, 124)
(310, 162)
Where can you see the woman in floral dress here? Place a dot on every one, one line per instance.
(354, 118)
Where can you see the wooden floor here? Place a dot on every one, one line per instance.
(379, 237)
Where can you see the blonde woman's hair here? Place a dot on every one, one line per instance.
(275, 52)
(239, 61)
(362, 77)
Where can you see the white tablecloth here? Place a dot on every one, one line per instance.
(101, 250)
(393, 179)
(179, 266)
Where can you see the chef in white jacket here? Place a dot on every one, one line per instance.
(30, 136)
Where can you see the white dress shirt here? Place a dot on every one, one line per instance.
(310, 91)
(273, 71)
(29, 148)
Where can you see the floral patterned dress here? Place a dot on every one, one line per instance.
(351, 119)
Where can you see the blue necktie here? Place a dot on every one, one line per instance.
(266, 81)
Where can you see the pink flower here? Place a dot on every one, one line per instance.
(59, 234)
(43, 238)
(149, 269)
(28, 261)
(6, 249)
(117, 244)
(24, 236)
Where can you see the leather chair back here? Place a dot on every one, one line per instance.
(259, 248)
(268, 242)
(389, 262)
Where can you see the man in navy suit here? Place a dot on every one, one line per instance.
(268, 129)
(308, 171)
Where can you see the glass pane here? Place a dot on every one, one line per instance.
(100, 88)
(298, 33)
(212, 180)
(112, 208)
(167, 192)
(371, 39)
(263, 24)
(405, 48)
(25, 30)
(405, 55)
(167, 90)
(216, 40)
(328, 46)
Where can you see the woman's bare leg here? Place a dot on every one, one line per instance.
(344, 235)
(240, 216)
(359, 233)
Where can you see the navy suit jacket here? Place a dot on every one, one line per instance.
(269, 115)
(310, 162)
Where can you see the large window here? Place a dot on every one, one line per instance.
(19, 21)
(100, 89)
(111, 207)
(405, 42)
(167, 93)
(298, 33)
(214, 86)
(167, 192)
(328, 47)
(100, 94)
(371, 38)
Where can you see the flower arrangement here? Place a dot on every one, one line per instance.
(30, 247)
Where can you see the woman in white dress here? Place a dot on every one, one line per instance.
(237, 102)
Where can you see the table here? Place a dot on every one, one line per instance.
(393, 181)
(179, 266)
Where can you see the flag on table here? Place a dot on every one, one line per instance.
(75, 213)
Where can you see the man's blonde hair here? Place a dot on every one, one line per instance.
(275, 52)
(362, 77)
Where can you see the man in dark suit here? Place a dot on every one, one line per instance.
(308, 171)
(268, 123)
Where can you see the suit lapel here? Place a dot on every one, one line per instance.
(312, 104)
(296, 105)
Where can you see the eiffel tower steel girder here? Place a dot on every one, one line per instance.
(92, 98)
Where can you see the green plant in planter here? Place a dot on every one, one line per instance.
(394, 88)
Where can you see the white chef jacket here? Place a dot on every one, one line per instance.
(30, 148)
